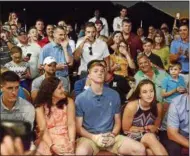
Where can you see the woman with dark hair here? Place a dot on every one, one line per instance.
(142, 118)
(160, 49)
(120, 58)
(114, 40)
(55, 117)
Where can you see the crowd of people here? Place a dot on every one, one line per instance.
(96, 90)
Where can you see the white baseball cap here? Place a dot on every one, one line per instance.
(49, 60)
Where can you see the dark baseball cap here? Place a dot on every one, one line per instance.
(21, 31)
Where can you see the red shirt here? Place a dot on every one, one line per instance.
(135, 44)
(43, 42)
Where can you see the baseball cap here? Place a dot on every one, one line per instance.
(49, 60)
(21, 31)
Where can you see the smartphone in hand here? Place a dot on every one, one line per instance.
(17, 129)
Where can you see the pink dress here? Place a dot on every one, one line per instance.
(58, 130)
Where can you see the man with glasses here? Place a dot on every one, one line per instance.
(90, 48)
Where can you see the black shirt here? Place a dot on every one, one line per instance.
(121, 85)
(155, 59)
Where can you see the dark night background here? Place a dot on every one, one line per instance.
(80, 11)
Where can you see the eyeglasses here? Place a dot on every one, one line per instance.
(90, 50)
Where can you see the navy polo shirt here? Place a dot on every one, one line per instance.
(98, 111)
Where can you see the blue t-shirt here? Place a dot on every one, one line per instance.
(175, 45)
(98, 111)
(170, 84)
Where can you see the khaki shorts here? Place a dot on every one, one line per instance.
(113, 149)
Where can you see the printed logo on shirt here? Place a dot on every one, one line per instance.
(114, 84)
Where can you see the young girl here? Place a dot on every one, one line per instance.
(142, 118)
(20, 67)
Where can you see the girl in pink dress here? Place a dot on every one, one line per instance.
(55, 117)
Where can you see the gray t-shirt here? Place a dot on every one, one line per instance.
(98, 111)
(38, 81)
(22, 111)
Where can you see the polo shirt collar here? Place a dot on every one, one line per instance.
(15, 107)
(156, 72)
(55, 45)
(95, 95)
(180, 40)
(170, 78)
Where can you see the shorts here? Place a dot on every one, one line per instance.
(113, 149)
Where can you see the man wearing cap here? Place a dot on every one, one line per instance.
(90, 48)
(98, 119)
(31, 50)
(60, 50)
(105, 29)
(49, 66)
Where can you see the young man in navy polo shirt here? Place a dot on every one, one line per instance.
(98, 119)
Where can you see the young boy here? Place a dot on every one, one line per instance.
(174, 84)
(147, 50)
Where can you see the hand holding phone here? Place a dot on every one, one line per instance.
(16, 129)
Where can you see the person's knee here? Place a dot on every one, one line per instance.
(83, 151)
(139, 149)
(148, 138)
